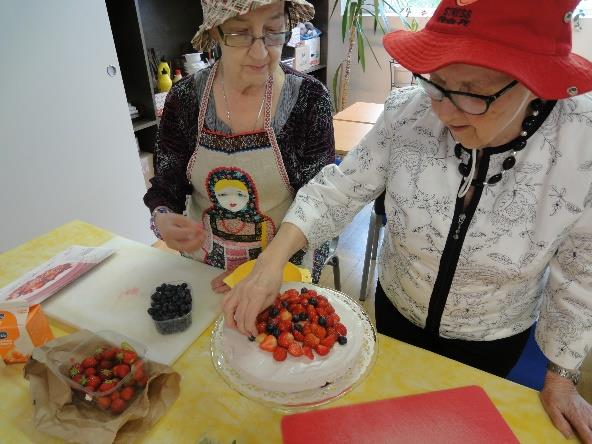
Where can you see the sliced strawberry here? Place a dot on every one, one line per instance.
(311, 340)
(321, 311)
(318, 331)
(269, 343)
(298, 335)
(280, 354)
(329, 341)
(263, 316)
(285, 339)
(285, 325)
(295, 349)
(306, 328)
(322, 350)
(308, 352)
(260, 337)
(332, 319)
(285, 315)
(89, 362)
(261, 326)
(341, 329)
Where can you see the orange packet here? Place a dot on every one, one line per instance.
(22, 328)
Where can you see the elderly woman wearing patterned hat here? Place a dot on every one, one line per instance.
(486, 168)
(237, 140)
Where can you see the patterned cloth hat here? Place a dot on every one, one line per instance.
(216, 12)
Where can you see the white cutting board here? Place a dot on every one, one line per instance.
(116, 294)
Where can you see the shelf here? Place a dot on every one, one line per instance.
(142, 122)
(313, 69)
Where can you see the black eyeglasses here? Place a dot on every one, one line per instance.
(240, 40)
(469, 103)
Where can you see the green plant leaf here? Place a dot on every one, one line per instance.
(335, 81)
(372, 50)
(334, 7)
(361, 56)
(344, 21)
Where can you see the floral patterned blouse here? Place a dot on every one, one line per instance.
(520, 251)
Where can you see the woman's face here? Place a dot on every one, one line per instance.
(232, 198)
(254, 63)
(502, 121)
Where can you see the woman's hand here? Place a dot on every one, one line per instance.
(566, 408)
(249, 297)
(218, 284)
(179, 232)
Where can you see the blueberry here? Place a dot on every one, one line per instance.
(269, 328)
(304, 290)
(342, 340)
(322, 321)
(298, 327)
(274, 312)
(303, 316)
(285, 304)
(151, 311)
(276, 332)
(313, 302)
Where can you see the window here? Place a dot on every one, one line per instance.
(585, 7)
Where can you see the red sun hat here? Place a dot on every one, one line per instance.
(529, 40)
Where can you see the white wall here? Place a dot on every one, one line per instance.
(374, 84)
(67, 149)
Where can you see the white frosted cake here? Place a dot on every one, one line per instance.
(295, 374)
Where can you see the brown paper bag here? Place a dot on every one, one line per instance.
(60, 414)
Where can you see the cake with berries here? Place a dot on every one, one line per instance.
(307, 339)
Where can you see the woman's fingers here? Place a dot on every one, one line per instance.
(228, 308)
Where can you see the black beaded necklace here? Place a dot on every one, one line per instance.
(540, 111)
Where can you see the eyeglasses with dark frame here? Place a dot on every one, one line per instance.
(475, 104)
(241, 40)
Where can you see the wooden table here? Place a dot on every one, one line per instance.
(348, 135)
(207, 407)
(361, 112)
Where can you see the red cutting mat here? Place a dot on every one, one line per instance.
(462, 415)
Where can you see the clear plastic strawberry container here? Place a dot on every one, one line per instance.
(176, 324)
(128, 353)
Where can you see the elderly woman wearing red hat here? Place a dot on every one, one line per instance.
(237, 140)
(487, 178)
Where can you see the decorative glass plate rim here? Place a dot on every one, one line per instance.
(308, 399)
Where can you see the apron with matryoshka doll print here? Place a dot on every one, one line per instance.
(241, 190)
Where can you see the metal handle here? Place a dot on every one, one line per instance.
(111, 71)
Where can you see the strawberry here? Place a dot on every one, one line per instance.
(322, 350)
(341, 329)
(261, 327)
(263, 316)
(306, 328)
(105, 373)
(138, 369)
(285, 339)
(110, 353)
(269, 343)
(104, 402)
(307, 351)
(141, 382)
(295, 349)
(121, 370)
(129, 357)
(114, 395)
(285, 315)
(92, 382)
(89, 362)
(105, 363)
(289, 293)
(75, 370)
(107, 385)
(285, 325)
(318, 331)
(118, 405)
(90, 371)
(311, 340)
(298, 336)
(322, 311)
(98, 354)
(260, 337)
(329, 341)
(80, 379)
(127, 393)
(280, 354)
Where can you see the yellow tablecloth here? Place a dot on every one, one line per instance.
(207, 407)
